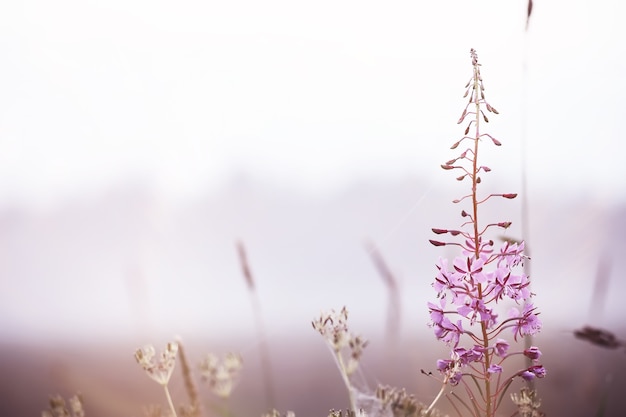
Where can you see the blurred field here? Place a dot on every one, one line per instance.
(87, 283)
(579, 376)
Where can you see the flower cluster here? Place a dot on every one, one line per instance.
(481, 276)
(221, 375)
(160, 370)
(334, 328)
(346, 347)
(58, 407)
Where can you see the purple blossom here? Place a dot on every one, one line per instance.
(511, 254)
(507, 284)
(527, 322)
(477, 308)
(455, 379)
(534, 371)
(494, 369)
(466, 356)
(444, 329)
(501, 347)
(444, 365)
(470, 268)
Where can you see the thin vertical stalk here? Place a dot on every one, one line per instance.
(266, 366)
(169, 400)
(483, 324)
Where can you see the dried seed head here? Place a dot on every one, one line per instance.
(58, 407)
(527, 403)
(221, 374)
(160, 369)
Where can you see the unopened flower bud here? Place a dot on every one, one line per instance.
(436, 242)
(462, 117)
(533, 353)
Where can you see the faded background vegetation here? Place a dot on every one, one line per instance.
(140, 140)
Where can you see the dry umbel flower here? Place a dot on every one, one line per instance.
(527, 403)
(221, 374)
(334, 328)
(58, 408)
(161, 369)
(276, 413)
(402, 404)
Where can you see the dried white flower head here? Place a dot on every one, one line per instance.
(160, 369)
(527, 403)
(334, 328)
(276, 413)
(58, 407)
(222, 375)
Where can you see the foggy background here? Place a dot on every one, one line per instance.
(140, 140)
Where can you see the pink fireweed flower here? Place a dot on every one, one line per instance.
(450, 368)
(506, 284)
(495, 369)
(470, 269)
(467, 356)
(511, 254)
(478, 308)
(471, 286)
(501, 347)
(445, 278)
(526, 323)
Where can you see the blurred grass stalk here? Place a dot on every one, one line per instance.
(258, 316)
(394, 310)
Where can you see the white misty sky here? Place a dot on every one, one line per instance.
(185, 94)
